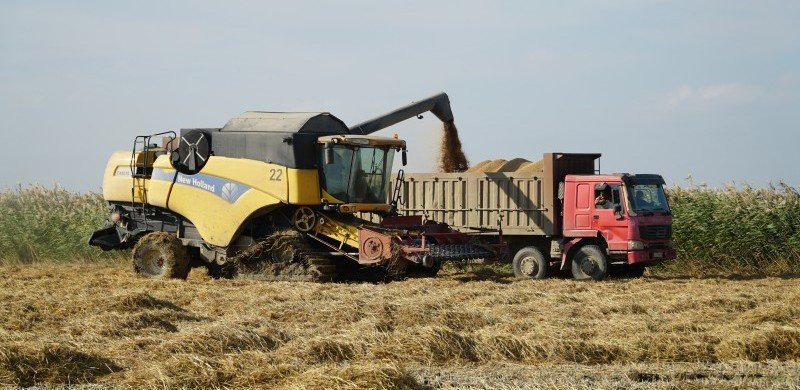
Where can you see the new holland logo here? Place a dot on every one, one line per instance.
(230, 192)
(227, 190)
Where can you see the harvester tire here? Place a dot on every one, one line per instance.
(160, 255)
(589, 262)
(529, 262)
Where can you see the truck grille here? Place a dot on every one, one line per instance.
(655, 232)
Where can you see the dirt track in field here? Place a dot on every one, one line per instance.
(101, 324)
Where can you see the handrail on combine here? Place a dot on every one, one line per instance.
(137, 175)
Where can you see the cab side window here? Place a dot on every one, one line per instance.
(607, 198)
(615, 196)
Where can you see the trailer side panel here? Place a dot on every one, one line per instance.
(523, 204)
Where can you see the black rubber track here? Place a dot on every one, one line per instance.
(284, 255)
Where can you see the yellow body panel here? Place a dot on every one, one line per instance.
(268, 178)
(216, 219)
(342, 232)
(226, 193)
(219, 199)
(304, 186)
(117, 180)
(158, 190)
(256, 187)
(330, 198)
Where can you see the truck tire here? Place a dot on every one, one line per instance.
(529, 262)
(160, 255)
(589, 262)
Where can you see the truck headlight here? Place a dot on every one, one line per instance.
(635, 245)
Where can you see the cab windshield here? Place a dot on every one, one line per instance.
(358, 174)
(647, 197)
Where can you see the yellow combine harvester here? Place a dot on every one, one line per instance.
(275, 195)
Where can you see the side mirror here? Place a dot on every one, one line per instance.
(404, 156)
(618, 210)
(328, 149)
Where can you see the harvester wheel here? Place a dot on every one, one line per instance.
(589, 262)
(160, 255)
(529, 262)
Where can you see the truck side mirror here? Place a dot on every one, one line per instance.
(328, 149)
(618, 211)
(404, 156)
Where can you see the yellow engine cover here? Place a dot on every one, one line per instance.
(221, 198)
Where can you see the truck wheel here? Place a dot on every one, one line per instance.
(160, 255)
(529, 262)
(589, 262)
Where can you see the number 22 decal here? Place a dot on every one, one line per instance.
(275, 174)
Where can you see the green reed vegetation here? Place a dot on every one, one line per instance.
(736, 230)
(731, 230)
(40, 223)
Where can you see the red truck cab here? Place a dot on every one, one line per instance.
(625, 218)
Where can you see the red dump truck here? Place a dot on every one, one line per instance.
(558, 213)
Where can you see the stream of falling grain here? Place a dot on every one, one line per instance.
(451, 156)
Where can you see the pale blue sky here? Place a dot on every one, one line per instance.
(707, 88)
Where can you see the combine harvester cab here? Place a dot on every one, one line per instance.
(557, 213)
(274, 195)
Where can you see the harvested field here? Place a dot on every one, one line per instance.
(98, 323)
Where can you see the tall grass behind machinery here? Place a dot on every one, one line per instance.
(716, 231)
(274, 194)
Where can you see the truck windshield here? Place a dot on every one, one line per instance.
(646, 197)
(358, 174)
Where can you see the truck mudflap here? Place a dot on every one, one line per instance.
(407, 237)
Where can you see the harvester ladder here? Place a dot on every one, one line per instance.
(142, 169)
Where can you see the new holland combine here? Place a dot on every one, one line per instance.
(275, 195)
